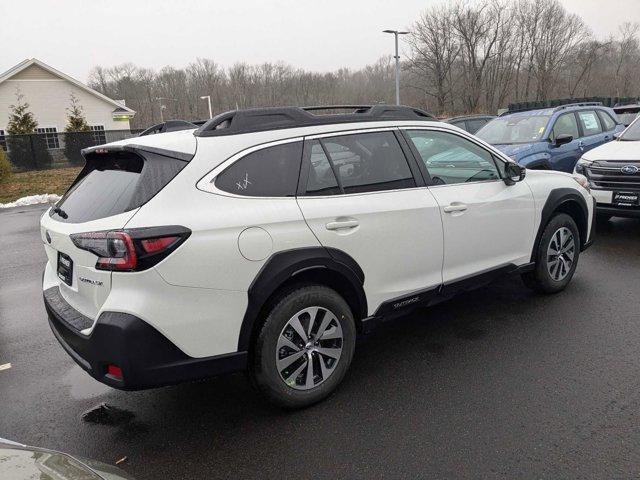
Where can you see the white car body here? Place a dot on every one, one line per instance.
(614, 172)
(406, 242)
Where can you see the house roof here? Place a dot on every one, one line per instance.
(120, 108)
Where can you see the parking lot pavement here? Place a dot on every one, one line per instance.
(498, 383)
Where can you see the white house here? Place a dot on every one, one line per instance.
(48, 93)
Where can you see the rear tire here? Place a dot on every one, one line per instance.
(556, 257)
(304, 347)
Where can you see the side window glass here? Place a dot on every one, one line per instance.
(270, 172)
(565, 125)
(321, 179)
(607, 121)
(451, 159)
(369, 162)
(589, 122)
(476, 124)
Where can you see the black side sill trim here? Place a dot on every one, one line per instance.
(430, 296)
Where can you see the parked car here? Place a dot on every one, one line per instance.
(267, 238)
(20, 462)
(613, 171)
(470, 123)
(627, 113)
(552, 138)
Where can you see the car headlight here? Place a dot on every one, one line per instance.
(581, 167)
(582, 180)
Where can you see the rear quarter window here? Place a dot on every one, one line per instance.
(269, 172)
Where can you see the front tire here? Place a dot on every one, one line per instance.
(557, 256)
(304, 347)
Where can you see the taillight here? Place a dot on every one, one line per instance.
(133, 249)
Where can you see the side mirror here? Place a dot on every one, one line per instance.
(562, 139)
(514, 173)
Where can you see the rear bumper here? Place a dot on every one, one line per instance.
(147, 358)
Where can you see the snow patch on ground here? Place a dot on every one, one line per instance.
(32, 200)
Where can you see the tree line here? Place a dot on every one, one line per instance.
(460, 58)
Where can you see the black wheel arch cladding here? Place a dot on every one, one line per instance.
(289, 265)
(564, 200)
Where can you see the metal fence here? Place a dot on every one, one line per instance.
(39, 151)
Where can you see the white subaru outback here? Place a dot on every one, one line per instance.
(267, 239)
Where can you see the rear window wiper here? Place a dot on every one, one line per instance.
(60, 212)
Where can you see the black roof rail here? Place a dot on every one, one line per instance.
(170, 126)
(275, 118)
(556, 104)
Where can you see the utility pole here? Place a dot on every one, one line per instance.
(208, 97)
(397, 57)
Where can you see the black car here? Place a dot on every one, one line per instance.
(470, 123)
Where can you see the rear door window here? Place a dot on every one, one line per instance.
(607, 121)
(589, 122)
(364, 162)
(269, 172)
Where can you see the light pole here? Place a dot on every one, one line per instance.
(164, 107)
(397, 57)
(208, 97)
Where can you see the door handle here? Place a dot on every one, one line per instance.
(339, 224)
(455, 207)
(607, 138)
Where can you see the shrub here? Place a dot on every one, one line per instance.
(5, 166)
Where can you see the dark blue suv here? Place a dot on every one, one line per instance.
(552, 138)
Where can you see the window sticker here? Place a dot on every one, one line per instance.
(589, 120)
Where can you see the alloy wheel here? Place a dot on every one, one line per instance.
(560, 253)
(309, 348)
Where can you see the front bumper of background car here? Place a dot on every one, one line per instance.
(606, 206)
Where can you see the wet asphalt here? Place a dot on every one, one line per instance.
(498, 383)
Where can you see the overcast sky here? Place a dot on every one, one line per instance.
(75, 35)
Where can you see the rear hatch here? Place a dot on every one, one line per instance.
(115, 182)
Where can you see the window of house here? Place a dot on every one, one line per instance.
(365, 162)
(452, 159)
(269, 172)
(566, 124)
(607, 121)
(50, 136)
(590, 123)
(3, 140)
(99, 136)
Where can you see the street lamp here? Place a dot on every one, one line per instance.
(397, 57)
(164, 107)
(208, 97)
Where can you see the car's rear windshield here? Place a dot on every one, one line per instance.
(627, 117)
(113, 183)
(514, 129)
(632, 133)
